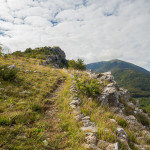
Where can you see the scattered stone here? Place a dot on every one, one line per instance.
(121, 134)
(91, 146)
(25, 92)
(27, 71)
(107, 76)
(130, 104)
(103, 144)
(45, 142)
(77, 111)
(89, 99)
(114, 146)
(124, 94)
(2, 89)
(113, 121)
(12, 67)
(115, 109)
(106, 130)
(90, 129)
(75, 103)
(91, 138)
(79, 117)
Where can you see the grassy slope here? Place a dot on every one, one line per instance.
(23, 118)
(23, 105)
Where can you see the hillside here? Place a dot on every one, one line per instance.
(43, 106)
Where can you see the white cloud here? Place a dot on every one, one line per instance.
(94, 30)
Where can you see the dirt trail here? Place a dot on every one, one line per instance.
(54, 135)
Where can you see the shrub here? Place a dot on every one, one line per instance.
(132, 139)
(79, 64)
(88, 86)
(4, 121)
(37, 108)
(122, 122)
(18, 53)
(143, 119)
(128, 110)
(8, 74)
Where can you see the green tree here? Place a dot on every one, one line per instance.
(79, 64)
(28, 50)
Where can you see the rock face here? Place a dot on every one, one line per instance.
(57, 58)
(112, 93)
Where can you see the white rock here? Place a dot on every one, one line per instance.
(121, 133)
(113, 121)
(91, 138)
(90, 129)
(12, 66)
(114, 146)
(45, 142)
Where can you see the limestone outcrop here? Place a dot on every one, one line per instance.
(118, 99)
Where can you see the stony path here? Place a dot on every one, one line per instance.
(88, 127)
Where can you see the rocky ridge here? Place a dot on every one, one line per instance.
(118, 99)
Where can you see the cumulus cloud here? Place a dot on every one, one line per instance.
(94, 30)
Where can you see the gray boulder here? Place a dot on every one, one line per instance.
(12, 67)
(91, 138)
(124, 94)
(107, 76)
(122, 134)
(109, 96)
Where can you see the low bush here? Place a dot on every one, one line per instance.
(8, 74)
(132, 139)
(79, 64)
(4, 121)
(37, 108)
(122, 122)
(88, 86)
(143, 119)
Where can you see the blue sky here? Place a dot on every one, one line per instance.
(94, 30)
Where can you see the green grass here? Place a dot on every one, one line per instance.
(69, 125)
(22, 123)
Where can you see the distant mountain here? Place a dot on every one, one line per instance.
(115, 64)
(132, 77)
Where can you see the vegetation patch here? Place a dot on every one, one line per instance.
(8, 74)
(122, 122)
(88, 86)
(143, 119)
